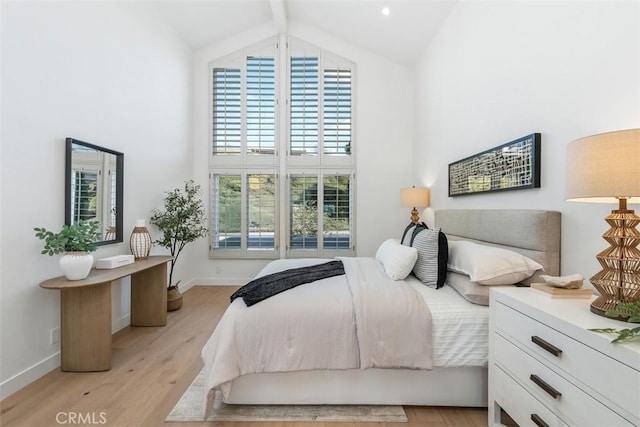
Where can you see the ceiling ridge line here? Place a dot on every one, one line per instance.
(279, 12)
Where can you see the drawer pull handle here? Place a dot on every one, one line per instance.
(538, 420)
(546, 346)
(546, 387)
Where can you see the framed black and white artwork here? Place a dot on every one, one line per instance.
(511, 166)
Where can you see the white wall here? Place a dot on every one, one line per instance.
(110, 73)
(113, 74)
(500, 70)
(383, 127)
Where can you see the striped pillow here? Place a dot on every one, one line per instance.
(425, 240)
(408, 233)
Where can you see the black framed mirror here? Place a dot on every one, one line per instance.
(94, 182)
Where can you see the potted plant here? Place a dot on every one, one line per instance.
(76, 241)
(629, 311)
(181, 222)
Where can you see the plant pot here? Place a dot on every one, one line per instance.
(174, 298)
(76, 265)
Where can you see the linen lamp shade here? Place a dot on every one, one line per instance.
(604, 167)
(414, 198)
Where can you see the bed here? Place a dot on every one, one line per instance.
(457, 374)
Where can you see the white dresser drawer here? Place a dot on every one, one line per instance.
(580, 363)
(554, 391)
(524, 408)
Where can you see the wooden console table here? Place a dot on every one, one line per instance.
(85, 310)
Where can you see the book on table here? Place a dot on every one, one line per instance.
(554, 292)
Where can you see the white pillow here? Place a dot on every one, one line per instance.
(488, 265)
(397, 260)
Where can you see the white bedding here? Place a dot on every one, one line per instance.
(460, 329)
(355, 321)
(457, 335)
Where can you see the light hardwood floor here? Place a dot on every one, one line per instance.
(151, 369)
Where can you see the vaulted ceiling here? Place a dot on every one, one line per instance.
(400, 36)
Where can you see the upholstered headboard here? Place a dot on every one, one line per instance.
(533, 233)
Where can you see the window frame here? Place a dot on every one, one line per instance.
(297, 47)
(320, 250)
(244, 251)
(104, 167)
(282, 162)
(78, 196)
(238, 60)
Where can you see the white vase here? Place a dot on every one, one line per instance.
(76, 265)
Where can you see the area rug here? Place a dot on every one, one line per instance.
(189, 408)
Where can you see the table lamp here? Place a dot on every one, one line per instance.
(605, 168)
(414, 198)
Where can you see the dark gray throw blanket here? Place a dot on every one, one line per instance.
(272, 284)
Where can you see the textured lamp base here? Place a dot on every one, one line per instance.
(415, 218)
(619, 279)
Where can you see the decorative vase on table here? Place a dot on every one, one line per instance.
(140, 241)
(76, 265)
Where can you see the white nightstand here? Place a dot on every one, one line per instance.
(547, 369)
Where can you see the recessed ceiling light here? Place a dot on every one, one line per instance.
(386, 11)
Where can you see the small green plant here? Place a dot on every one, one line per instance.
(629, 311)
(79, 237)
(182, 221)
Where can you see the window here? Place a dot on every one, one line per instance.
(306, 139)
(337, 111)
(84, 195)
(93, 186)
(304, 106)
(244, 219)
(320, 215)
(227, 205)
(226, 111)
(304, 212)
(261, 211)
(261, 105)
(336, 209)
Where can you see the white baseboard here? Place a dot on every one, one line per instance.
(29, 375)
(32, 373)
(214, 282)
(123, 322)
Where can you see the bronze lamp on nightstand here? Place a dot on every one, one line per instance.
(605, 168)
